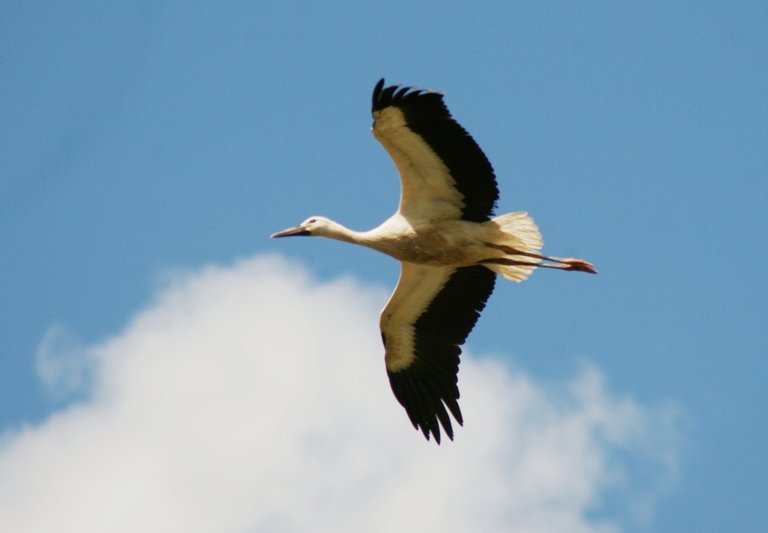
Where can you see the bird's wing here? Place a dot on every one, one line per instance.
(427, 318)
(443, 172)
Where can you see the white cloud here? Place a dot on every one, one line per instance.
(254, 399)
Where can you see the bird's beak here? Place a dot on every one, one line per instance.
(296, 231)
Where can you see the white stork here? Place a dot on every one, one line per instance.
(449, 246)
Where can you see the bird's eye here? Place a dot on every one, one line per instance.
(311, 221)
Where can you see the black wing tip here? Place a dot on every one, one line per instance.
(441, 419)
(377, 94)
(425, 402)
(396, 95)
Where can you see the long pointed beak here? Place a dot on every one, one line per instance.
(295, 231)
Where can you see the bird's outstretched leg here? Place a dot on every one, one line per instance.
(561, 263)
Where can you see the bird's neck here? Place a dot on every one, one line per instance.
(342, 233)
(383, 238)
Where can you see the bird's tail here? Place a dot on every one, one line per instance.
(521, 235)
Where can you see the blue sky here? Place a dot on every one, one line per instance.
(146, 140)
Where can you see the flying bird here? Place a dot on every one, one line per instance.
(450, 245)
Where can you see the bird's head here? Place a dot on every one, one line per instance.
(313, 226)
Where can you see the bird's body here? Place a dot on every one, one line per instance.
(449, 244)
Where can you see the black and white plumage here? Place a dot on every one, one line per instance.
(450, 247)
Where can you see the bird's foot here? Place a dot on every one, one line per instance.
(578, 265)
